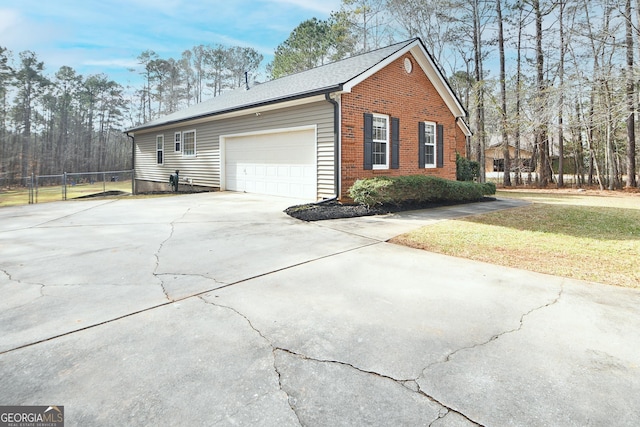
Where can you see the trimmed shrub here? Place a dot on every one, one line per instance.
(489, 188)
(371, 192)
(416, 189)
(466, 170)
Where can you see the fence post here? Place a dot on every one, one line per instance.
(31, 195)
(104, 184)
(64, 186)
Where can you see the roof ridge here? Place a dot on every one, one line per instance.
(359, 55)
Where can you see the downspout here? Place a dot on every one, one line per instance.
(133, 162)
(336, 146)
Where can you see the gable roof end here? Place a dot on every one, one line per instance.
(429, 67)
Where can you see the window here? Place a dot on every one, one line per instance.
(189, 143)
(177, 138)
(160, 149)
(380, 141)
(429, 145)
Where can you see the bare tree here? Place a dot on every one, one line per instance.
(242, 60)
(631, 126)
(369, 22)
(561, 4)
(503, 100)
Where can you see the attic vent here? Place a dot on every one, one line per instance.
(408, 66)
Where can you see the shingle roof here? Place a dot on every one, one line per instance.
(323, 79)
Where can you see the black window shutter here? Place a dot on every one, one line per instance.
(421, 145)
(395, 143)
(368, 141)
(440, 146)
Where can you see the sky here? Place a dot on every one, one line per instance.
(106, 36)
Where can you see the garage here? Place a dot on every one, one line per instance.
(281, 163)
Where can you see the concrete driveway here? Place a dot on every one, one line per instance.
(218, 309)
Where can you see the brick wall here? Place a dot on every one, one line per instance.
(411, 98)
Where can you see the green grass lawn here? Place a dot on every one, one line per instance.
(583, 236)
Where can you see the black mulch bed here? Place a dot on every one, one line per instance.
(104, 194)
(334, 209)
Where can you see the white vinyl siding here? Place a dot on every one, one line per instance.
(204, 169)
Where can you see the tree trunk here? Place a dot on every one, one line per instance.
(518, 101)
(631, 125)
(503, 98)
(540, 131)
(480, 89)
(561, 100)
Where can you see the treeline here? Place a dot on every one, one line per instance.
(558, 77)
(64, 122)
(67, 122)
(202, 72)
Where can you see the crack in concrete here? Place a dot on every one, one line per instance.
(442, 414)
(501, 334)
(164, 290)
(157, 253)
(273, 352)
(409, 384)
(404, 383)
(448, 408)
(281, 386)
(491, 339)
(21, 282)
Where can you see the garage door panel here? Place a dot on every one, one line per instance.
(282, 164)
(296, 171)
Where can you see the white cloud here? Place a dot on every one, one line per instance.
(9, 18)
(112, 63)
(322, 6)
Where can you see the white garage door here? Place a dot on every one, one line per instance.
(278, 164)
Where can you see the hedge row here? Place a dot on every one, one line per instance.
(416, 189)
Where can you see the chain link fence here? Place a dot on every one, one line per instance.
(65, 186)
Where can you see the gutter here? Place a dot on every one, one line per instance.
(465, 124)
(133, 162)
(336, 146)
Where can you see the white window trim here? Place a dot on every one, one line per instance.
(195, 144)
(158, 138)
(387, 142)
(435, 146)
(177, 139)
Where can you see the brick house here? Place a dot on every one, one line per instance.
(310, 135)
